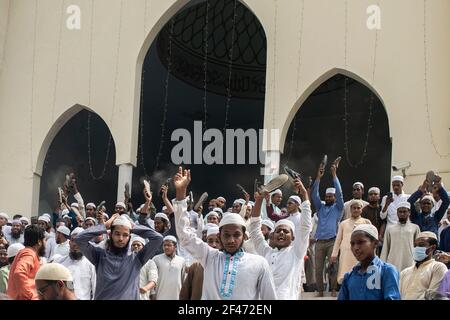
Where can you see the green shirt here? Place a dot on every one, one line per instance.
(4, 273)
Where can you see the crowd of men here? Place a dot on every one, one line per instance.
(394, 247)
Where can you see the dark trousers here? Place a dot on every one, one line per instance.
(324, 248)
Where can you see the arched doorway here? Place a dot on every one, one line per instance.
(223, 89)
(321, 127)
(83, 145)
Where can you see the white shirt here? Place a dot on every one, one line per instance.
(251, 273)
(391, 212)
(12, 240)
(171, 273)
(83, 273)
(286, 263)
(62, 249)
(149, 272)
(50, 245)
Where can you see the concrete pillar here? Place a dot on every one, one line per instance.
(125, 175)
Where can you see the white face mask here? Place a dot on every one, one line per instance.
(419, 254)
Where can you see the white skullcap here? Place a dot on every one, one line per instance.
(368, 228)
(232, 218)
(162, 216)
(75, 231)
(398, 178)
(170, 238)
(219, 210)
(122, 221)
(251, 204)
(105, 215)
(74, 204)
(135, 238)
(427, 234)
(92, 205)
(296, 199)
(358, 201)
(404, 204)
(358, 184)
(285, 222)
(17, 221)
(92, 219)
(4, 215)
(14, 249)
(212, 213)
(209, 225)
(269, 224)
(221, 199)
(64, 212)
(241, 201)
(53, 271)
(278, 191)
(64, 230)
(44, 218)
(330, 190)
(25, 219)
(121, 204)
(48, 214)
(428, 197)
(212, 230)
(374, 189)
(164, 208)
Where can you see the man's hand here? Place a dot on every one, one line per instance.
(333, 260)
(320, 171)
(181, 181)
(148, 197)
(438, 181)
(246, 197)
(143, 290)
(424, 186)
(111, 220)
(443, 257)
(164, 189)
(300, 187)
(333, 169)
(260, 196)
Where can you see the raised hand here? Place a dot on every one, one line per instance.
(148, 196)
(333, 170)
(164, 189)
(320, 171)
(300, 187)
(181, 181)
(424, 186)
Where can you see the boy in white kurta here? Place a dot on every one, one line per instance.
(228, 274)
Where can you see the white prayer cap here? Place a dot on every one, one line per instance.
(209, 225)
(64, 212)
(278, 191)
(374, 189)
(48, 214)
(241, 201)
(269, 224)
(92, 219)
(135, 238)
(368, 228)
(404, 204)
(170, 238)
(251, 204)
(162, 216)
(427, 234)
(219, 210)
(91, 205)
(64, 230)
(221, 199)
(75, 231)
(44, 218)
(164, 208)
(358, 184)
(428, 197)
(398, 178)
(24, 219)
(296, 199)
(53, 271)
(285, 222)
(4, 215)
(74, 204)
(212, 213)
(212, 230)
(330, 190)
(122, 221)
(105, 215)
(121, 204)
(17, 221)
(14, 249)
(232, 218)
(356, 201)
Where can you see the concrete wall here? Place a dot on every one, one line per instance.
(47, 73)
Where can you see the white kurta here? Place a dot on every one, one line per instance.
(50, 245)
(171, 273)
(243, 276)
(62, 249)
(347, 209)
(13, 240)
(83, 273)
(149, 272)
(391, 212)
(398, 245)
(286, 263)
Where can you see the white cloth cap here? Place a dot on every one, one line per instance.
(76, 231)
(121, 204)
(122, 221)
(221, 199)
(170, 238)
(17, 221)
(92, 219)
(358, 201)
(296, 199)
(64, 230)
(330, 190)
(25, 219)
(212, 230)
(64, 212)
(398, 178)
(369, 228)
(212, 213)
(14, 249)
(404, 204)
(219, 210)
(251, 204)
(162, 216)
(232, 218)
(427, 234)
(44, 218)
(269, 224)
(49, 216)
(74, 204)
(92, 205)
(285, 222)
(137, 238)
(105, 215)
(164, 208)
(278, 191)
(241, 201)
(4, 215)
(53, 271)
(428, 197)
(358, 184)
(209, 225)
(374, 189)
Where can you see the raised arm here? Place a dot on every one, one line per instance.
(445, 201)
(256, 236)
(82, 240)
(337, 185)
(315, 189)
(303, 230)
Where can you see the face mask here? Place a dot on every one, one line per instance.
(419, 253)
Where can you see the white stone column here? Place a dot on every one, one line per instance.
(271, 165)
(125, 175)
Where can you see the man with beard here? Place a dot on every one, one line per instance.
(50, 243)
(117, 271)
(373, 209)
(270, 207)
(83, 272)
(62, 242)
(90, 210)
(21, 284)
(15, 234)
(4, 270)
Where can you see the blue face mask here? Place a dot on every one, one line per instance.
(419, 253)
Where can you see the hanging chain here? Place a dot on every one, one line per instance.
(58, 58)
(371, 99)
(89, 151)
(205, 64)
(275, 22)
(230, 66)
(427, 106)
(32, 85)
(166, 95)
